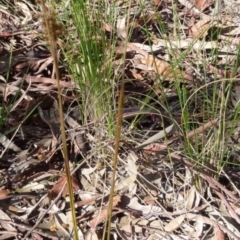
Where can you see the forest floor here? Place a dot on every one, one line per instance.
(178, 165)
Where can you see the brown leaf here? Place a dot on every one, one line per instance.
(33, 79)
(87, 201)
(136, 75)
(156, 147)
(200, 29)
(56, 189)
(161, 67)
(3, 194)
(103, 213)
(219, 234)
(203, 4)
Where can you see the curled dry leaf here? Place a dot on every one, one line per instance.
(193, 199)
(200, 29)
(161, 67)
(147, 211)
(56, 189)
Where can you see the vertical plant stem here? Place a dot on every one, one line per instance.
(64, 141)
(53, 49)
(117, 137)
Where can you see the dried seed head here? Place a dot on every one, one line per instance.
(52, 29)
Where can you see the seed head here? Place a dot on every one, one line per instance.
(52, 29)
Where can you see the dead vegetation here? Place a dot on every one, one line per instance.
(178, 162)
